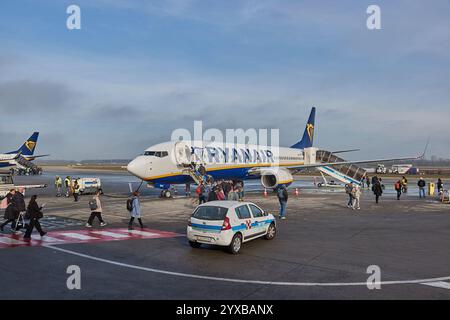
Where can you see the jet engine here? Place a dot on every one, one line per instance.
(272, 178)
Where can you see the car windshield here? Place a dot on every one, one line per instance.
(210, 213)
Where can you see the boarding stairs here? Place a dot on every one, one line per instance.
(196, 176)
(23, 163)
(346, 173)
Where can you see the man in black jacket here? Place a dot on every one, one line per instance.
(421, 183)
(19, 202)
(283, 196)
(34, 213)
(11, 213)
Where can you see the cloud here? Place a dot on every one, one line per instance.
(25, 96)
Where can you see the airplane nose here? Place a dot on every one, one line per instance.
(137, 167)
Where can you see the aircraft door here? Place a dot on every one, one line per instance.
(182, 153)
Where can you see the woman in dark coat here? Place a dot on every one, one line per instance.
(34, 213)
(377, 190)
(11, 212)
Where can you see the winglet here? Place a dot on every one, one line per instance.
(422, 156)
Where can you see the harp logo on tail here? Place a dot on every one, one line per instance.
(310, 130)
(30, 145)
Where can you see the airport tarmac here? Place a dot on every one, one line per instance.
(322, 251)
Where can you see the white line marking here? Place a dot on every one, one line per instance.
(142, 233)
(195, 276)
(11, 241)
(438, 284)
(77, 236)
(111, 234)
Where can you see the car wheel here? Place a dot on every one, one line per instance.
(194, 244)
(236, 244)
(271, 231)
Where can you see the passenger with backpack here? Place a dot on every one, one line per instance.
(134, 208)
(348, 191)
(398, 188)
(282, 195)
(96, 210)
(377, 190)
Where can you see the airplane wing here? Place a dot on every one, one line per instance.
(329, 164)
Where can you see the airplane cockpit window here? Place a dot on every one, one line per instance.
(159, 154)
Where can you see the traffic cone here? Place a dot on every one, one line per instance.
(296, 192)
(265, 192)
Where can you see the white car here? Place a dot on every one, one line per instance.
(229, 224)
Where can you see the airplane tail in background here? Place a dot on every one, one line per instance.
(27, 149)
(308, 135)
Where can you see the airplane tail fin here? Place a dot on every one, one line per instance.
(308, 135)
(27, 149)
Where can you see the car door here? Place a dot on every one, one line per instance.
(259, 220)
(245, 221)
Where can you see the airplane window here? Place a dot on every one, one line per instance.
(149, 153)
(243, 212)
(256, 211)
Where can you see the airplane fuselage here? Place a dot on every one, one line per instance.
(163, 163)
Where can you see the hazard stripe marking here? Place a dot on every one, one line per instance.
(83, 236)
(11, 241)
(79, 236)
(142, 233)
(438, 284)
(110, 234)
(45, 238)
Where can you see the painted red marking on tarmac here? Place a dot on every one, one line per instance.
(83, 236)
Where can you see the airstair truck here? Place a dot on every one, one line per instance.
(7, 183)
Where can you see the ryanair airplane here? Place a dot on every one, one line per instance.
(176, 162)
(21, 156)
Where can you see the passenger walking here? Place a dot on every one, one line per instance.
(283, 196)
(201, 192)
(220, 194)
(19, 202)
(356, 194)
(368, 182)
(96, 210)
(440, 186)
(11, 212)
(187, 189)
(348, 191)
(421, 183)
(135, 211)
(377, 190)
(76, 191)
(398, 188)
(232, 194)
(212, 195)
(34, 213)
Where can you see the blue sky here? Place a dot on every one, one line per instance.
(139, 69)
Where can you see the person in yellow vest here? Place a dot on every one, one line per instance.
(58, 186)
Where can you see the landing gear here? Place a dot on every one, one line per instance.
(166, 194)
